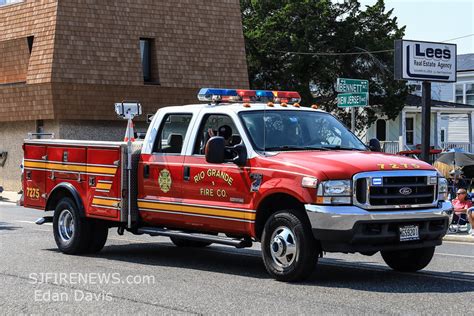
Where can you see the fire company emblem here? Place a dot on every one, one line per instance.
(165, 180)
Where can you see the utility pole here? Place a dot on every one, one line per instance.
(426, 121)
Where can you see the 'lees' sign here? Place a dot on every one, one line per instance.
(425, 61)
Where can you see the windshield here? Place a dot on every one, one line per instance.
(297, 130)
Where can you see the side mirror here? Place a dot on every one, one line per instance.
(241, 154)
(374, 145)
(215, 150)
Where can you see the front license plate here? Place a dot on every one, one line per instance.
(409, 232)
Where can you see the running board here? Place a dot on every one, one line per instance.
(42, 220)
(238, 243)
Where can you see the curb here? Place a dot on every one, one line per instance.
(457, 238)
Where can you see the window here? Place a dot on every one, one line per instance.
(459, 93)
(443, 135)
(470, 93)
(410, 130)
(30, 40)
(381, 130)
(216, 125)
(275, 130)
(148, 59)
(170, 137)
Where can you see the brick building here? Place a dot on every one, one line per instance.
(64, 63)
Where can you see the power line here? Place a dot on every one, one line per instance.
(456, 38)
(336, 54)
(357, 53)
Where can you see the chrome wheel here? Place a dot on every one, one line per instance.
(283, 247)
(66, 225)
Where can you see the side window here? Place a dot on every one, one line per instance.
(170, 137)
(216, 125)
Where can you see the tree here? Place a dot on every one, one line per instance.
(303, 44)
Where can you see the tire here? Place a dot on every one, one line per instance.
(179, 242)
(72, 233)
(100, 232)
(289, 250)
(410, 260)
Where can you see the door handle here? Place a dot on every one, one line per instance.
(146, 171)
(187, 173)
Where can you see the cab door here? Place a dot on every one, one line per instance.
(161, 179)
(216, 197)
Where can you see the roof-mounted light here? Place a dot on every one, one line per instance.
(287, 97)
(216, 95)
(233, 95)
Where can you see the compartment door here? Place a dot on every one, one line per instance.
(34, 176)
(105, 183)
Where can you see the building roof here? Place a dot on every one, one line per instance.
(466, 62)
(415, 100)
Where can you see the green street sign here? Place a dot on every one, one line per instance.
(352, 85)
(352, 99)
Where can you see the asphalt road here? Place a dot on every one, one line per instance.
(142, 274)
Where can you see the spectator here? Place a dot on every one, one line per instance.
(460, 205)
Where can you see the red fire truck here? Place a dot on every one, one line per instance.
(242, 167)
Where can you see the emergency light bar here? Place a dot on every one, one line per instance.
(234, 95)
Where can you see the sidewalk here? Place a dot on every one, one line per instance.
(13, 197)
(9, 197)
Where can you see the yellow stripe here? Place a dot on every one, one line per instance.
(104, 186)
(105, 202)
(76, 168)
(197, 210)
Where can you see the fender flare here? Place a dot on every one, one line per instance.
(72, 191)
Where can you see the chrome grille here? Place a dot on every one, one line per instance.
(395, 189)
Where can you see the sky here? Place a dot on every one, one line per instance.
(435, 20)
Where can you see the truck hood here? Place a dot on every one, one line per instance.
(342, 164)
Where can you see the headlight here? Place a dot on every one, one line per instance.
(442, 189)
(334, 192)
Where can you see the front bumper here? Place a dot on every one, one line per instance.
(353, 229)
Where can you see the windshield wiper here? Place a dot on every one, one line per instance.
(338, 147)
(289, 148)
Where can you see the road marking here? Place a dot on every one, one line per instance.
(454, 255)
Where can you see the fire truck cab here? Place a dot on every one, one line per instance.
(245, 166)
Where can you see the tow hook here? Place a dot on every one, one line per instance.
(42, 220)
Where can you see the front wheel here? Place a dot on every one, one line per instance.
(289, 249)
(409, 260)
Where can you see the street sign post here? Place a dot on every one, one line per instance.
(345, 85)
(352, 93)
(352, 99)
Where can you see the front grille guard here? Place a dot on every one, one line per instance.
(396, 173)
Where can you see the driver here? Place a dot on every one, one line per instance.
(224, 131)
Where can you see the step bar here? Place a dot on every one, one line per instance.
(237, 243)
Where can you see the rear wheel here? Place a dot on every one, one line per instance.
(100, 232)
(289, 249)
(71, 232)
(409, 260)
